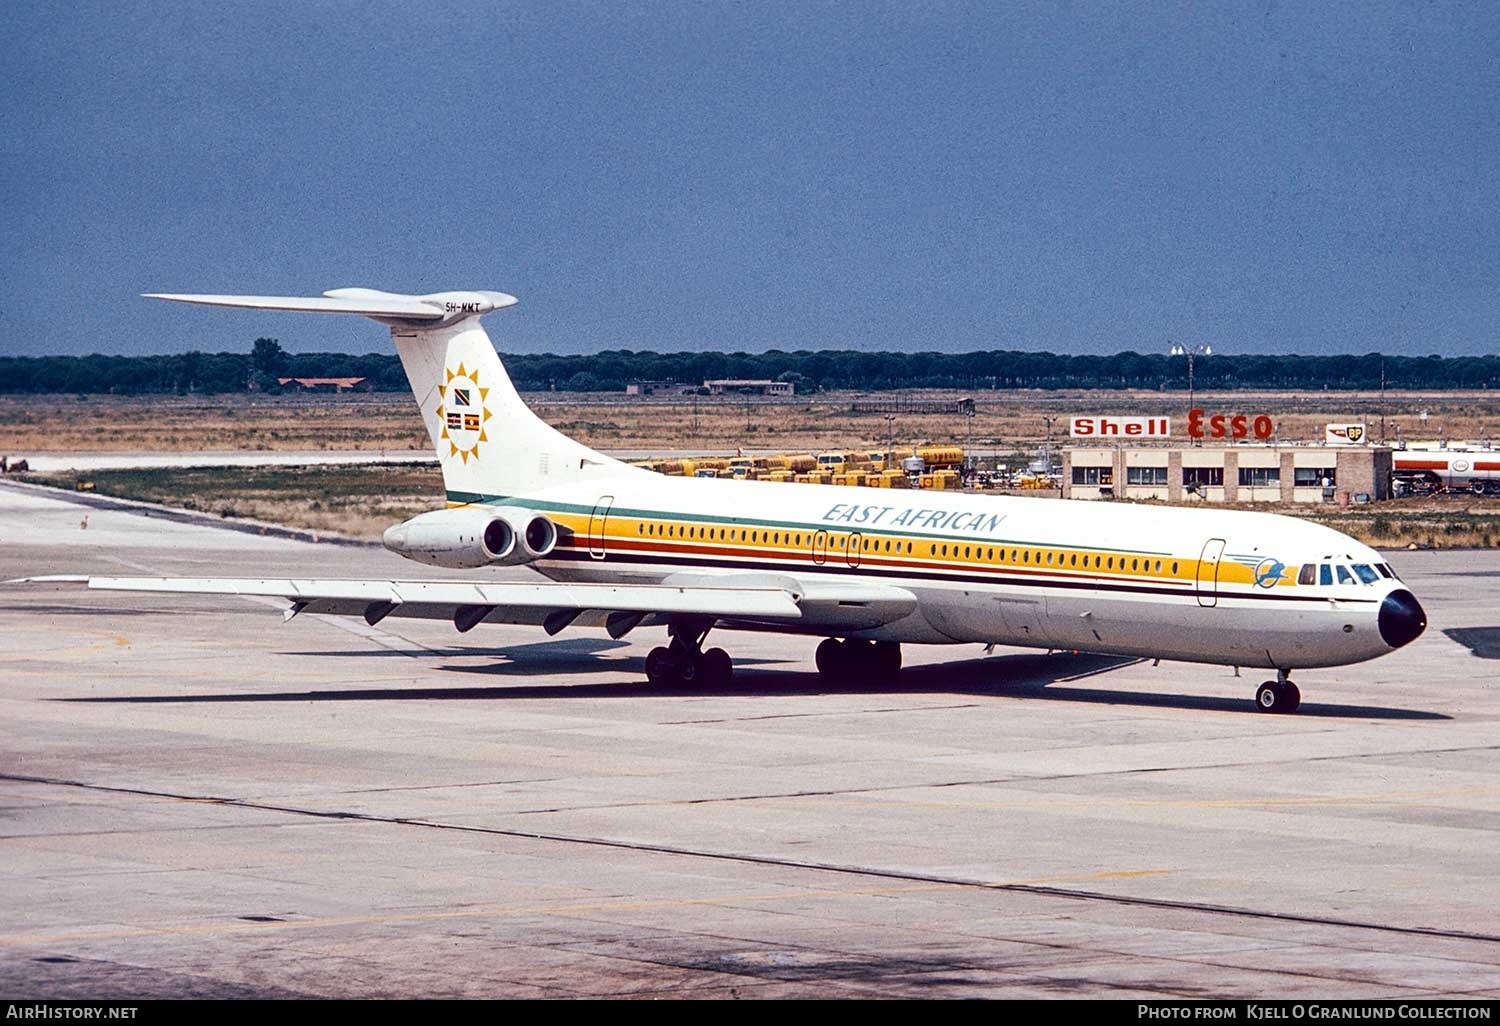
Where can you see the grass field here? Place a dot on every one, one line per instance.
(360, 501)
(32, 424)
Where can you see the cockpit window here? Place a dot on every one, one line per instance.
(1308, 574)
(1345, 577)
(1385, 570)
(1325, 575)
(1366, 573)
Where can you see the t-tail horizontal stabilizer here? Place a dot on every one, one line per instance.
(386, 307)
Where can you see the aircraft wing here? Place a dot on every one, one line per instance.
(619, 608)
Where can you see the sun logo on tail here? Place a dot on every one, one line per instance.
(462, 412)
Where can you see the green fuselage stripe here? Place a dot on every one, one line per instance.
(480, 499)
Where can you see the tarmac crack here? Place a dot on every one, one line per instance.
(746, 858)
(987, 781)
(820, 715)
(446, 787)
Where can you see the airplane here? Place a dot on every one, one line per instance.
(623, 548)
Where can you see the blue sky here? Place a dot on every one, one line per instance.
(1091, 177)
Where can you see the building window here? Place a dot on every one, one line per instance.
(1314, 477)
(1145, 475)
(1093, 475)
(1260, 477)
(1203, 477)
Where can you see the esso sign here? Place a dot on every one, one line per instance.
(1223, 425)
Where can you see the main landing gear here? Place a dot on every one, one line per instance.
(857, 662)
(1279, 695)
(683, 663)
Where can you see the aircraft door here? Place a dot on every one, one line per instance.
(854, 543)
(597, 521)
(820, 548)
(1208, 572)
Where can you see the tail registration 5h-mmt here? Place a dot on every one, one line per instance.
(623, 548)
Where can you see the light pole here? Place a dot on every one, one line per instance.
(1201, 349)
(890, 444)
(1047, 452)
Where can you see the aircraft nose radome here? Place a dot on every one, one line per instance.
(1402, 619)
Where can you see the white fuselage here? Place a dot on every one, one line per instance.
(1217, 586)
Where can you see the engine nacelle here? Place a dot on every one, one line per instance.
(535, 534)
(469, 537)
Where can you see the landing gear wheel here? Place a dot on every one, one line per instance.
(859, 660)
(855, 661)
(1478, 487)
(830, 659)
(1276, 697)
(1267, 697)
(717, 668)
(689, 669)
(1293, 696)
(885, 661)
(683, 662)
(659, 666)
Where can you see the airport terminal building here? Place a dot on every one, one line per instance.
(1246, 472)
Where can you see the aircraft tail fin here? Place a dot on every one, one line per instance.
(489, 443)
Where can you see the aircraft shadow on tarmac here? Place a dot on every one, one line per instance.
(92, 612)
(1022, 675)
(1483, 642)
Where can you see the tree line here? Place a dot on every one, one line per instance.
(810, 371)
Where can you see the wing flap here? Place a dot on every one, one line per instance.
(503, 602)
(812, 604)
(829, 604)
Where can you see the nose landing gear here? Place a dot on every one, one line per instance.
(1279, 695)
